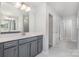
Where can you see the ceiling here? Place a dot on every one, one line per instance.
(34, 4)
(61, 8)
(65, 8)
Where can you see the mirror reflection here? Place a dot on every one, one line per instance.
(14, 17)
(8, 24)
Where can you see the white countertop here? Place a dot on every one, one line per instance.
(16, 36)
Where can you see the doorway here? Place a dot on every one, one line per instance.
(50, 31)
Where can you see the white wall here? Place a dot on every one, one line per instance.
(78, 28)
(32, 20)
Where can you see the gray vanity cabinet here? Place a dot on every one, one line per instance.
(33, 48)
(11, 49)
(11, 52)
(24, 47)
(1, 50)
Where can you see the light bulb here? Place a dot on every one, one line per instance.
(18, 5)
(23, 7)
(28, 9)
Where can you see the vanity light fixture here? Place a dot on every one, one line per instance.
(23, 6)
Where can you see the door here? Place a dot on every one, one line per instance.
(11, 52)
(33, 48)
(24, 50)
(50, 30)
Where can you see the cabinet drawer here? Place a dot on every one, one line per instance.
(40, 37)
(21, 41)
(27, 40)
(32, 39)
(10, 44)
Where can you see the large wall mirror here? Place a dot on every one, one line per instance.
(13, 19)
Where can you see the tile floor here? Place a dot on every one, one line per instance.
(62, 49)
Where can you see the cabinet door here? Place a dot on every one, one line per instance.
(1, 50)
(40, 44)
(11, 52)
(24, 50)
(33, 48)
